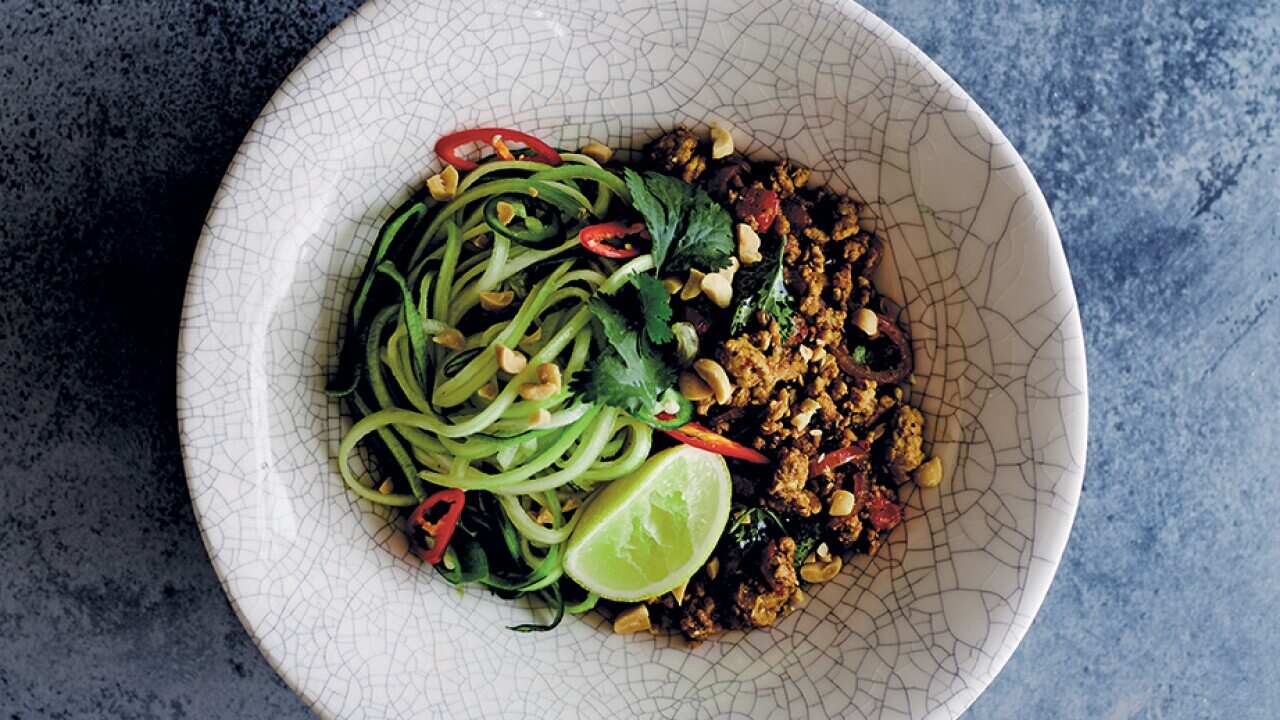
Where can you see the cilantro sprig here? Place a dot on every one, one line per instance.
(687, 228)
(630, 373)
(763, 289)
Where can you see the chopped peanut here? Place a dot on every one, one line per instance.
(632, 620)
(597, 151)
(531, 340)
(713, 374)
(930, 473)
(678, 592)
(538, 391)
(748, 244)
(506, 211)
(718, 289)
(841, 503)
(496, 300)
(549, 373)
(867, 322)
(511, 361)
(451, 338)
(489, 390)
(693, 285)
(820, 572)
(540, 418)
(721, 142)
(693, 388)
(443, 184)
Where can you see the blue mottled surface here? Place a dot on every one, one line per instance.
(1152, 130)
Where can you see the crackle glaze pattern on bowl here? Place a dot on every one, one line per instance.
(323, 582)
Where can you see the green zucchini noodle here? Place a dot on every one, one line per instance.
(425, 386)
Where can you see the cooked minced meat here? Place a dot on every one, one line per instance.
(791, 400)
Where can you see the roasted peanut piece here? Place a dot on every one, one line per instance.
(823, 551)
(510, 361)
(506, 211)
(930, 473)
(549, 373)
(678, 592)
(531, 340)
(387, 487)
(496, 300)
(718, 289)
(489, 390)
(443, 184)
(748, 244)
(451, 338)
(540, 418)
(806, 353)
(713, 374)
(599, 152)
(721, 142)
(841, 503)
(804, 414)
(867, 322)
(693, 388)
(820, 572)
(632, 620)
(713, 568)
(693, 285)
(538, 391)
(544, 516)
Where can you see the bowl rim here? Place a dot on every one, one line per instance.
(191, 336)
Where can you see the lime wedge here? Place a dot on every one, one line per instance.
(646, 533)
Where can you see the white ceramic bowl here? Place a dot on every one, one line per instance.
(323, 582)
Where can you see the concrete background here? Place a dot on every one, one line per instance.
(1152, 128)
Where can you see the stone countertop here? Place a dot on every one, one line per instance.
(1154, 132)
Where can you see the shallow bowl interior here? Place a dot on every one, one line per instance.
(323, 582)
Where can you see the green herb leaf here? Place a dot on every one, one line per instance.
(660, 200)
(629, 374)
(655, 304)
(749, 527)
(686, 226)
(763, 289)
(707, 240)
(861, 354)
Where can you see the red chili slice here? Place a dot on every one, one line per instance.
(885, 514)
(595, 237)
(836, 458)
(436, 533)
(703, 439)
(447, 146)
(757, 207)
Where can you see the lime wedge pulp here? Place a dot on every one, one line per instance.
(646, 533)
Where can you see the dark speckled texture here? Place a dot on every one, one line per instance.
(1152, 129)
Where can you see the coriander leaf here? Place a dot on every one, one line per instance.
(615, 327)
(630, 380)
(686, 226)
(705, 240)
(661, 200)
(861, 354)
(629, 374)
(763, 289)
(655, 306)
